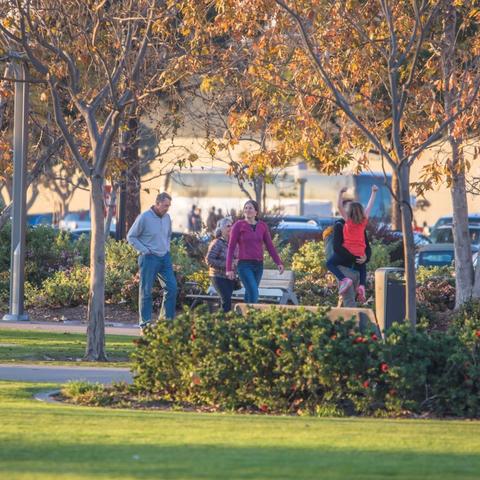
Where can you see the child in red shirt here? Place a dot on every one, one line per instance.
(356, 219)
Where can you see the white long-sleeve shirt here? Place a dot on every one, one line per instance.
(151, 233)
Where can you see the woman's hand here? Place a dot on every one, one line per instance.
(281, 268)
(361, 259)
(231, 275)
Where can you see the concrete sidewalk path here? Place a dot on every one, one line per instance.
(59, 374)
(74, 327)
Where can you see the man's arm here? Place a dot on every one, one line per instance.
(371, 201)
(169, 230)
(340, 207)
(133, 236)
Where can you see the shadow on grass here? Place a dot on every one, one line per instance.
(188, 462)
(44, 441)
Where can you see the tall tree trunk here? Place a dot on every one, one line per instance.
(462, 245)
(132, 176)
(408, 244)
(258, 185)
(95, 350)
(463, 249)
(396, 212)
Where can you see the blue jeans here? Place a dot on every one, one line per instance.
(151, 267)
(224, 287)
(335, 260)
(250, 273)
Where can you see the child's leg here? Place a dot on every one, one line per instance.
(332, 264)
(344, 283)
(362, 270)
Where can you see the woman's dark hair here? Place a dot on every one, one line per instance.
(254, 204)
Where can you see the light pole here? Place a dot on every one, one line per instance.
(19, 217)
(301, 179)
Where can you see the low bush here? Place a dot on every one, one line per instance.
(314, 290)
(47, 251)
(300, 362)
(4, 287)
(66, 288)
(435, 289)
(310, 259)
(284, 251)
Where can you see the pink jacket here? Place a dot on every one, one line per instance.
(250, 243)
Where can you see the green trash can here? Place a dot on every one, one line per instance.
(389, 296)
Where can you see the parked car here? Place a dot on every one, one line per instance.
(322, 222)
(75, 220)
(40, 219)
(76, 233)
(79, 223)
(297, 233)
(418, 238)
(439, 255)
(445, 234)
(473, 219)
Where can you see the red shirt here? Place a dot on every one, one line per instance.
(354, 237)
(250, 243)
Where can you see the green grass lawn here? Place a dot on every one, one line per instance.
(21, 346)
(45, 441)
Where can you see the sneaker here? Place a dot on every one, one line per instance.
(361, 294)
(344, 285)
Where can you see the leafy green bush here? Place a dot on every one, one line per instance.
(285, 252)
(278, 361)
(297, 361)
(4, 288)
(310, 259)
(312, 289)
(381, 256)
(435, 289)
(120, 267)
(182, 259)
(66, 287)
(47, 250)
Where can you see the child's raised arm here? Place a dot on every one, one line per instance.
(340, 208)
(369, 207)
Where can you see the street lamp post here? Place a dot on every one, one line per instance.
(19, 217)
(301, 178)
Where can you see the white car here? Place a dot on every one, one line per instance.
(79, 222)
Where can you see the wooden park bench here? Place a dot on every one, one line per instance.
(363, 316)
(274, 288)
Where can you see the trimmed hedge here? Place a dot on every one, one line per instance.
(300, 362)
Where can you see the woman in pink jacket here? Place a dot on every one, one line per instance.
(250, 234)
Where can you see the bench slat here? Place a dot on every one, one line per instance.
(275, 284)
(287, 275)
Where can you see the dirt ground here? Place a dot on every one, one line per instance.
(113, 314)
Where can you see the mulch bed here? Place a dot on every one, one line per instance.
(113, 314)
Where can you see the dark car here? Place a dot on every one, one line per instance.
(78, 232)
(473, 219)
(418, 238)
(322, 222)
(439, 255)
(445, 234)
(297, 233)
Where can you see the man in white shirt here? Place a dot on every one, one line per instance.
(150, 235)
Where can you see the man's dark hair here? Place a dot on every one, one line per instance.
(163, 196)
